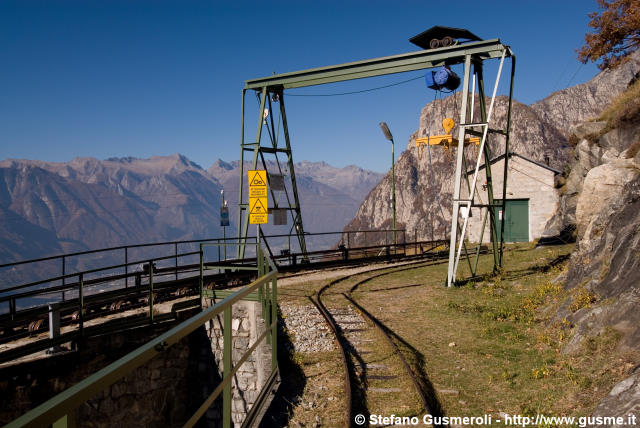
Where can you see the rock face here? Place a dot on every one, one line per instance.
(574, 105)
(606, 264)
(601, 199)
(602, 186)
(622, 401)
(605, 261)
(539, 132)
(596, 147)
(424, 193)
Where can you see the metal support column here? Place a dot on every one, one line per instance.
(266, 94)
(506, 157)
(243, 207)
(297, 221)
(456, 189)
(486, 152)
(483, 153)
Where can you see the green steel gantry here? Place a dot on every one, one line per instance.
(271, 89)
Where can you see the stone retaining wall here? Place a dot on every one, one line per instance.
(247, 325)
(164, 392)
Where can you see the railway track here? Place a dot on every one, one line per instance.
(377, 363)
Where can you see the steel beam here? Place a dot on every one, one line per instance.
(412, 61)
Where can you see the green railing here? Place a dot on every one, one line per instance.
(59, 410)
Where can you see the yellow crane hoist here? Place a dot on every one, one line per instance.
(445, 140)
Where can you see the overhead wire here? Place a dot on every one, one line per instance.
(357, 92)
(433, 176)
(575, 74)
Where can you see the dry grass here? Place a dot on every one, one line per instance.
(487, 347)
(625, 108)
(507, 353)
(633, 150)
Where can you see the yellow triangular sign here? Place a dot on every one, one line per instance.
(259, 179)
(258, 207)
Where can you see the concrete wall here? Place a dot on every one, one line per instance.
(526, 180)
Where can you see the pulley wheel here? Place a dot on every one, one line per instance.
(447, 124)
(447, 41)
(434, 43)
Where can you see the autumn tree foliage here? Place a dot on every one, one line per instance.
(616, 33)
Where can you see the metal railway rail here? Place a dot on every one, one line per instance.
(428, 400)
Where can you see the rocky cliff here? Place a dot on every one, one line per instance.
(569, 107)
(601, 200)
(539, 132)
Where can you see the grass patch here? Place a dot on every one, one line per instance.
(624, 108)
(582, 298)
(494, 340)
(492, 345)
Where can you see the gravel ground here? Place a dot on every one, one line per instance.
(307, 328)
(332, 273)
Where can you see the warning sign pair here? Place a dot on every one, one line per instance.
(258, 212)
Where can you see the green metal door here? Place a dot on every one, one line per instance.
(516, 218)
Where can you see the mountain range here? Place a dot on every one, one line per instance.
(48, 208)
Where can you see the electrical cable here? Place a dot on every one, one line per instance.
(575, 74)
(433, 176)
(356, 92)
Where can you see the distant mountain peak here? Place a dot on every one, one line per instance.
(222, 165)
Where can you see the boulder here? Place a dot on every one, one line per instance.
(601, 185)
(605, 262)
(588, 130)
(622, 401)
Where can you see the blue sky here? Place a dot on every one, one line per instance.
(143, 78)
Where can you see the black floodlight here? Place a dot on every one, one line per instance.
(385, 131)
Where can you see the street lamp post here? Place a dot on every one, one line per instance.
(387, 134)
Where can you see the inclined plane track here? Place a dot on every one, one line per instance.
(356, 374)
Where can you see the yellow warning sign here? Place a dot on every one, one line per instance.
(257, 177)
(258, 183)
(258, 213)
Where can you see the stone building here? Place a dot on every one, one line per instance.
(531, 199)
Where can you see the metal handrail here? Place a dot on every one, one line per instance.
(85, 272)
(191, 241)
(108, 249)
(59, 409)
